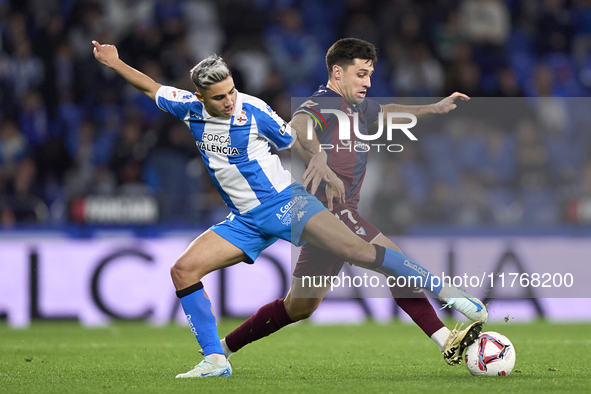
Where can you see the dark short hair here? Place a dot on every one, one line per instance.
(344, 52)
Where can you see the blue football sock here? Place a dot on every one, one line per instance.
(201, 319)
(396, 264)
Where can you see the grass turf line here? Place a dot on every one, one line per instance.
(62, 357)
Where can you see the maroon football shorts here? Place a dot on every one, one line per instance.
(315, 261)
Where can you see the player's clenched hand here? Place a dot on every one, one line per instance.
(448, 103)
(106, 54)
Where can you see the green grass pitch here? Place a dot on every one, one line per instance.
(62, 357)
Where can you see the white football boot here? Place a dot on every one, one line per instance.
(208, 369)
(469, 306)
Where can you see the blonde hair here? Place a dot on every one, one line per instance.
(210, 70)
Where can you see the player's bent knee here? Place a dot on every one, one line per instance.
(176, 273)
(184, 268)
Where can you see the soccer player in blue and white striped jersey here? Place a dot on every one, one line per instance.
(233, 132)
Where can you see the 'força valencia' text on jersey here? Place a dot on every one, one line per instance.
(348, 163)
(236, 151)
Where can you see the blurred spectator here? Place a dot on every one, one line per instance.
(13, 151)
(466, 79)
(532, 158)
(485, 21)
(129, 153)
(414, 173)
(399, 45)
(419, 76)
(70, 128)
(471, 205)
(177, 60)
(142, 42)
(294, 52)
(554, 27)
(86, 163)
(7, 216)
(145, 106)
(25, 70)
(87, 24)
(508, 86)
(276, 97)
(393, 211)
(499, 165)
(167, 172)
(361, 25)
(34, 121)
(438, 207)
(391, 15)
(243, 24)
(13, 146)
(120, 15)
(448, 36)
(64, 69)
(204, 27)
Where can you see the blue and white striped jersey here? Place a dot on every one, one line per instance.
(236, 151)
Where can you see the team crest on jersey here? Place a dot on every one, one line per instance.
(360, 230)
(308, 103)
(241, 120)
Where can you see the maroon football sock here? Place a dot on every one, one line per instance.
(418, 307)
(270, 318)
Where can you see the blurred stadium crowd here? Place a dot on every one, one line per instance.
(70, 128)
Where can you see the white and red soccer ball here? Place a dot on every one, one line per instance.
(492, 354)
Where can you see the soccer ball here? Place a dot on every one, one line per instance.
(492, 354)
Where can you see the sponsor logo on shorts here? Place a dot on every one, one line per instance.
(291, 210)
(284, 214)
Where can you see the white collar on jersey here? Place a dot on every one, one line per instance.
(237, 108)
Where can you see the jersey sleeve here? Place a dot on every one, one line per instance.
(313, 107)
(273, 128)
(372, 110)
(176, 101)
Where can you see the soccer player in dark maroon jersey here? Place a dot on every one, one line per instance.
(350, 63)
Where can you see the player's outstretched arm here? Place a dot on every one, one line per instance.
(107, 54)
(422, 111)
